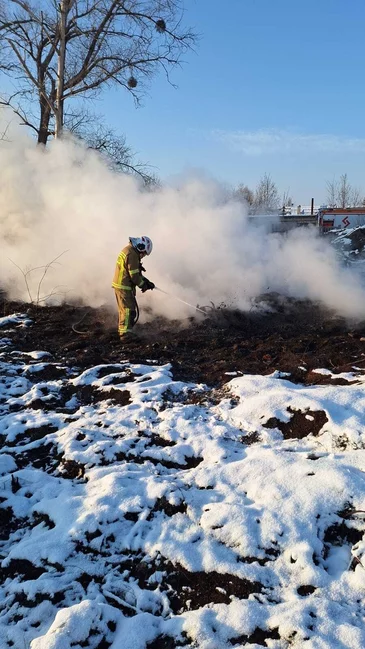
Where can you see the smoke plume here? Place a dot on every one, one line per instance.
(66, 201)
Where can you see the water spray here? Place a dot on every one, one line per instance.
(179, 300)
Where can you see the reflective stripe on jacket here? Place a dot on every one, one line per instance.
(127, 273)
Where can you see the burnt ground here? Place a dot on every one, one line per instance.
(297, 334)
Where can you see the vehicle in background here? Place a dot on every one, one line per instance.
(330, 218)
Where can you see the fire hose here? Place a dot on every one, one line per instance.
(179, 300)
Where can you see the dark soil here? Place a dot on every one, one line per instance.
(44, 456)
(347, 531)
(188, 590)
(340, 534)
(300, 424)
(201, 588)
(89, 395)
(162, 504)
(190, 462)
(33, 434)
(257, 637)
(22, 568)
(297, 337)
(167, 642)
(306, 590)
(8, 522)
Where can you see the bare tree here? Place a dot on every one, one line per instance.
(266, 195)
(55, 52)
(357, 198)
(244, 194)
(332, 192)
(342, 194)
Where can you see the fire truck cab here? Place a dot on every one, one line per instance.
(340, 217)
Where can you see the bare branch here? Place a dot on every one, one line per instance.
(25, 279)
(17, 110)
(45, 269)
(111, 146)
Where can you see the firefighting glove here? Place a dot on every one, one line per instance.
(147, 286)
(141, 268)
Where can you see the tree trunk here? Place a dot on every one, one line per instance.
(64, 9)
(43, 131)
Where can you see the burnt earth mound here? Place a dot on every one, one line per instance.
(294, 336)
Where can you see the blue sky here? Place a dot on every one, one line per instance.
(274, 86)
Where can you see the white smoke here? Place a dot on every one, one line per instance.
(205, 249)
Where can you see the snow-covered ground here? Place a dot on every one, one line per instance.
(349, 244)
(139, 511)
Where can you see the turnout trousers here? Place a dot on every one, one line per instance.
(127, 310)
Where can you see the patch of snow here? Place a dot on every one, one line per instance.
(37, 355)
(15, 319)
(127, 493)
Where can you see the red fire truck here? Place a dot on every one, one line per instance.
(340, 217)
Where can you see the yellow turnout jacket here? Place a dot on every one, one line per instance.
(127, 273)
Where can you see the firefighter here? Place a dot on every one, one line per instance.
(127, 276)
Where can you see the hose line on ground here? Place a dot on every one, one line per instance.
(73, 327)
(137, 312)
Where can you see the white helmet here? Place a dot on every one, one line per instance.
(141, 244)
